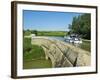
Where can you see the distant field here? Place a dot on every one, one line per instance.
(47, 33)
(33, 56)
(51, 33)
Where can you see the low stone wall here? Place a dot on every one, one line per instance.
(62, 54)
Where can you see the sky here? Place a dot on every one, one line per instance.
(47, 20)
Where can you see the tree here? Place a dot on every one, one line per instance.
(81, 25)
(34, 32)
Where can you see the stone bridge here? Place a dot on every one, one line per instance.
(61, 53)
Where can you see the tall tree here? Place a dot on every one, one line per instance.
(81, 25)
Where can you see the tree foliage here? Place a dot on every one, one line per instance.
(81, 25)
(28, 32)
(34, 32)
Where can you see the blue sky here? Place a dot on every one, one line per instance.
(47, 20)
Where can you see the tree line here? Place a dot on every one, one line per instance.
(81, 25)
(28, 32)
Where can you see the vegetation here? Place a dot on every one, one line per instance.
(39, 63)
(34, 32)
(51, 33)
(81, 25)
(86, 45)
(44, 33)
(33, 56)
(27, 32)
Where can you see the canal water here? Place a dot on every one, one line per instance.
(56, 38)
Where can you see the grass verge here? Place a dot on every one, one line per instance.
(86, 45)
(34, 56)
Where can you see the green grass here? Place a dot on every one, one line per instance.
(47, 33)
(27, 33)
(38, 63)
(34, 56)
(86, 45)
(51, 33)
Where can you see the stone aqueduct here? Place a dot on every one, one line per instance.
(62, 54)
